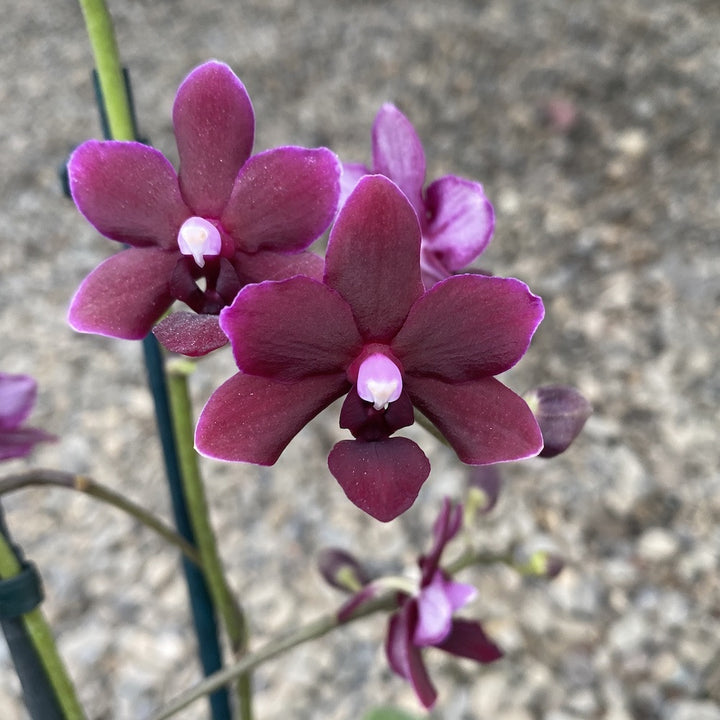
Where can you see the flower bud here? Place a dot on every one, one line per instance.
(484, 483)
(539, 558)
(561, 412)
(341, 570)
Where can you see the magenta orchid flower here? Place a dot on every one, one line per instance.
(369, 331)
(426, 618)
(17, 397)
(456, 218)
(226, 219)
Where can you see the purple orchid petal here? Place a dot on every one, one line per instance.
(125, 295)
(17, 397)
(484, 421)
(283, 199)
(291, 329)
(20, 443)
(252, 419)
(214, 128)
(493, 320)
(128, 191)
(434, 615)
(398, 154)
(468, 639)
(446, 527)
(458, 594)
(461, 221)
(383, 478)
(372, 258)
(404, 657)
(269, 265)
(190, 334)
(351, 174)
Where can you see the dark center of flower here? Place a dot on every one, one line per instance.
(377, 405)
(206, 289)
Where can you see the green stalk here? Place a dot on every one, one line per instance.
(118, 112)
(313, 630)
(107, 62)
(80, 483)
(222, 596)
(42, 638)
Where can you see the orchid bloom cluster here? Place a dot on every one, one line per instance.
(390, 320)
(384, 321)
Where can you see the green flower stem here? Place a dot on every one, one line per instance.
(313, 630)
(474, 557)
(42, 638)
(80, 483)
(107, 61)
(223, 598)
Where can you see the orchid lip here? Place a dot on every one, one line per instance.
(379, 381)
(199, 238)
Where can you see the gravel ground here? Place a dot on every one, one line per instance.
(595, 128)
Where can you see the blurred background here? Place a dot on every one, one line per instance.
(595, 130)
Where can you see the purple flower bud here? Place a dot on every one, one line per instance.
(341, 570)
(484, 483)
(561, 412)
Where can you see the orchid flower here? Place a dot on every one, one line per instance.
(455, 217)
(370, 331)
(225, 219)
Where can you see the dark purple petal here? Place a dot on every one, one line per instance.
(290, 329)
(373, 257)
(270, 265)
(125, 295)
(484, 421)
(17, 397)
(351, 174)
(382, 478)
(404, 657)
(20, 443)
(252, 419)
(214, 128)
(445, 528)
(461, 221)
(398, 154)
(283, 199)
(128, 191)
(468, 639)
(190, 334)
(468, 327)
